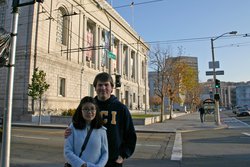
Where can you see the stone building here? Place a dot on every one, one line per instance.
(243, 95)
(70, 41)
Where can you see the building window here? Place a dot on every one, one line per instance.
(89, 53)
(115, 50)
(62, 86)
(125, 60)
(143, 70)
(105, 44)
(134, 100)
(62, 27)
(132, 64)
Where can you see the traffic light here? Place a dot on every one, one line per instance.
(216, 97)
(118, 81)
(217, 83)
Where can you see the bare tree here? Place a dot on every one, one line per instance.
(157, 62)
(173, 78)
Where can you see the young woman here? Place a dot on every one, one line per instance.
(87, 116)
(117, 119)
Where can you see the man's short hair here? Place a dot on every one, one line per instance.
(103, 77)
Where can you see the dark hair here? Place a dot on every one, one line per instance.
(103, 77)
(78, 120)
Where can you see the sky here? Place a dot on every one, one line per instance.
(167, 20)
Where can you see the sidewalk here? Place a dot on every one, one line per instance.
(181, 123)
(184, 123)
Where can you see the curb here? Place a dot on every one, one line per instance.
(208, 128)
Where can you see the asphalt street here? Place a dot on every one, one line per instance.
(181, 142)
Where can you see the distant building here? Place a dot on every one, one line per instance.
(243, 95)
(191, 61)
(231, 93)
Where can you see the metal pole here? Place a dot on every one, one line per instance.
(216, 107)
(5, 154)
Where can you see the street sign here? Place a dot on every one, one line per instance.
(216, 72)
(215, 65)
(111, 55)
(220, 72)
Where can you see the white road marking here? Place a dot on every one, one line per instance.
(177, 149)
(148, 145)
(30, 137)
(247, 134)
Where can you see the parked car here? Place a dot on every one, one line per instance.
(242, 112)
(236, 108)
(222, 109)
(246, 107)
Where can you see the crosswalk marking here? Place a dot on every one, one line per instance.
(177, 149)
(247, 134)
(234, 123)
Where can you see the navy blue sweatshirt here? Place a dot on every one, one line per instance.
(120, 128)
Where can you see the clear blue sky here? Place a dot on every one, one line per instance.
(186, 19)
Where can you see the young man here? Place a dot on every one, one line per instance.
(117, 119)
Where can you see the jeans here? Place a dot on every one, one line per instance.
(202, 118)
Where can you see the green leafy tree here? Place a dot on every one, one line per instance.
(37, 88)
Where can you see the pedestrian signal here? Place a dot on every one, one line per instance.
(118, 81)
(216, 97)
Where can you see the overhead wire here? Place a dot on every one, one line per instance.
(44, 10)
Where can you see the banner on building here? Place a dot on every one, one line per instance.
(89, 45)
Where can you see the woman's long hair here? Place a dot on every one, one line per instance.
(78, 120)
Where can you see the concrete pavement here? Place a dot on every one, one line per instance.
(182, 122)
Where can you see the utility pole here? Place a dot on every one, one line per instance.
(6, 138)
(216, 94)
(216, 100)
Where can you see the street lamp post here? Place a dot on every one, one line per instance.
(6, 138)
(214, 76)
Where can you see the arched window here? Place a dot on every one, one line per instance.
(62, 26)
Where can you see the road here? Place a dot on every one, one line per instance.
(36, 147)
(41, 147)
(225, 147)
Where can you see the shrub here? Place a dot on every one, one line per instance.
(69, 112)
